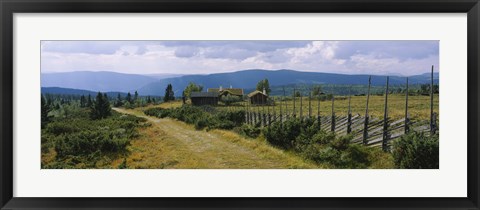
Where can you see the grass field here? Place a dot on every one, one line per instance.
(418, 106)
(169, 143)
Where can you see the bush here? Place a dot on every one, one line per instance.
(87, 142)
(201, 117)
(248, 130)
(293, 133)
(229, 99)
(416, 151)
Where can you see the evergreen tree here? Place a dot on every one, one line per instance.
(135, 97)
(101, 108)
(149, 100)
(119, 101)
(49, 100)
(83, 101)
(129, 98)
(107, 110)
(169, 95)
(89, 101)
(45, 109)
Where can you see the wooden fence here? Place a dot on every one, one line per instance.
(365, 129)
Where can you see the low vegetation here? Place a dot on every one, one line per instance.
(87, 138)
(305, 139)
(302, 138)
(201, 117)
(417, 150)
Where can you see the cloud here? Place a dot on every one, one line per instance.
(388, 49)
(186, 52)
(203, 57)
(93, 47)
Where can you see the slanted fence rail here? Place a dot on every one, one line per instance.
(365, 129)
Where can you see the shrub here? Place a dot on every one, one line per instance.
(201, 117)
(87, 142)
(354, 156)
(229, 99)
(248, 130)
(416, 150)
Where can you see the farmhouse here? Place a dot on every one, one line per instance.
(204, 98)
(227, 91)
(258, 97)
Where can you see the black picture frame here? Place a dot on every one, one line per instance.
(9, 7)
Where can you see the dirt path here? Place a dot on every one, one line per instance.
(169, 143)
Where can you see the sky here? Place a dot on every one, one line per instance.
(403, 58)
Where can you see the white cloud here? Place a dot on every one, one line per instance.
(188, 57)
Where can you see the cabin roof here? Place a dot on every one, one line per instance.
(255, 93)
(203, 94)
(233, 91)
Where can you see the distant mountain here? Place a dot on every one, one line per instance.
(248, 79)
(96, 81)
(70, 91)
(163, 76)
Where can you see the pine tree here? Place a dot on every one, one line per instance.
(106, 109)
(129, 98)
(149, 100)
(49, 100)
(135, 97)
(169, 95)
(45, 109)
(83, 101)
(119, 101)
(89, 101)
(101, 108)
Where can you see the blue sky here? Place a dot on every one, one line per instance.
(206, 57)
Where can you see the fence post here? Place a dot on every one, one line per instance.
(407, 120)
(318, 113)
(281, 113)
(333, 114)
(264, 116)
(385, 121)
(301, 107)
(349, 119)
(294, 110)
(268, 112)
(245, 108)
(274, 111)
(365, 125)
(309, 104)
(432, 117)
(285, 101)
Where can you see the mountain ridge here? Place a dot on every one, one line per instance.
(118, 82)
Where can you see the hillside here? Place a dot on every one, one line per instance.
(248, 79)
(96, 81)
(70, 91)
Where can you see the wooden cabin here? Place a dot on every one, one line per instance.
(204, 98)
(258, 98)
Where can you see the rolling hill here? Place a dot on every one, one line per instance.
(96, 81)
(70, 91)
(248, 79)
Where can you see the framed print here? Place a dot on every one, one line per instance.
(239, 105)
